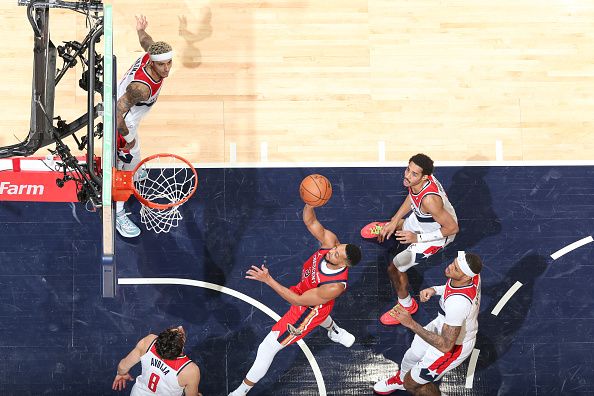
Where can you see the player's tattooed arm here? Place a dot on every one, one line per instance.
(444, 342)
(135, 93)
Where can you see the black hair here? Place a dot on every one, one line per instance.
(353, 254)
(424, 162)
(474, 262)
(170, 343)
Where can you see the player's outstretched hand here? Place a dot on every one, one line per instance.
(426, 294)
(119, 383)
(141, 22)
(260, 274)
(387, 231)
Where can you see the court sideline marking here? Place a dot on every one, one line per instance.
(222, 289)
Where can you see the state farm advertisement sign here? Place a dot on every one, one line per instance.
(35, 186)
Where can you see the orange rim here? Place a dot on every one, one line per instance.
(159, 206)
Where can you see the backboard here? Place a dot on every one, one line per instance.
(108, 158)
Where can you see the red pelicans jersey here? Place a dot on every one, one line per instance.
(315, 273)
(421, 221)
(461, 302)
(137, 73)
(159, 376)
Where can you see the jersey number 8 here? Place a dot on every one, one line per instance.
(153, 381)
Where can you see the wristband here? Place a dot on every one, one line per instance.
(439, 290)
(430, 236)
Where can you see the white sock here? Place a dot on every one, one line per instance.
(119, 207)
(405, 302)
(242, 389)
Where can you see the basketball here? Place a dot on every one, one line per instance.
(315, 190)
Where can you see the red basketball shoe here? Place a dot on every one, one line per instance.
(389, 318)
(372, 229)
(389, 385)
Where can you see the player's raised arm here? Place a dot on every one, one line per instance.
(143, 37)
(326, 237)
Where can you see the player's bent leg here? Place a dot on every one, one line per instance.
(267, 350)
(414, 354)
(397, 273)
(428, 389)
(399, 280)
(338, 334)
(411, 358)
(435, 364)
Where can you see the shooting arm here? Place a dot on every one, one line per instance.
(327, 238)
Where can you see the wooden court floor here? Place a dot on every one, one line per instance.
(346, 81)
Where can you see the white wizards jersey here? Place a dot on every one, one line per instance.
(137, 73)
(159, 376)
(459, 306)
(422, 222)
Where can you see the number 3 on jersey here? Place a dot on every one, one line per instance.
(153, 381)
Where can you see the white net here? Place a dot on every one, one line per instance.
(160, 220)
(166, 182)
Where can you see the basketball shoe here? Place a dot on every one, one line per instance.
(389, 318)
(373, 229)
(389, 385)
(341, 336)
(125, 226)
(140, 175)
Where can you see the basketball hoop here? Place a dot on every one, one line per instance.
(162, 183)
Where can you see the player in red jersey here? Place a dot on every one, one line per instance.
(166, 371)
(138, 91)
(323, 278)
